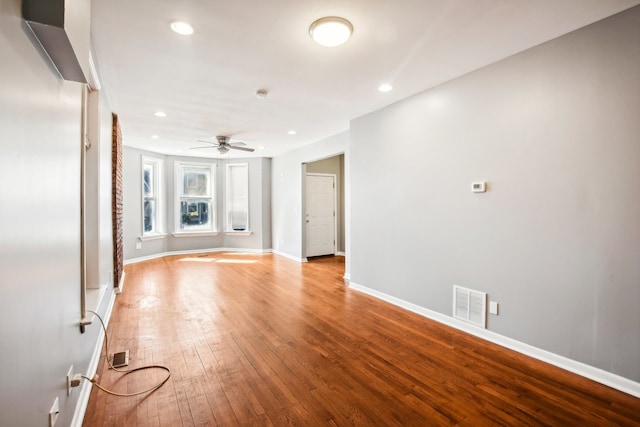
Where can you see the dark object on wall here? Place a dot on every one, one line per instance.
(62, 28)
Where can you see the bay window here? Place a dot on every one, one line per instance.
(237, 197)
(151, 196)
(195, 207)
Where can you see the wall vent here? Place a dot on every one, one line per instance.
(470, 306)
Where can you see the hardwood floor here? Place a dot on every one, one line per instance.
(263, 340)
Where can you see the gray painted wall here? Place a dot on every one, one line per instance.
(555, 131)
(99, 235)
(286, 180)
(40, 128)
(259, 207)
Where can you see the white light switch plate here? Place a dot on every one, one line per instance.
(493, 307)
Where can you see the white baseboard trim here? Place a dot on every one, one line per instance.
(286, 255)
(347, 278)
(195, 251)
(85, 390)
(604, 377)
(340, 254)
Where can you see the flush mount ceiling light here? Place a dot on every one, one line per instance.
(385, 87)
(331, 31)
(182, 28)
(160, 114)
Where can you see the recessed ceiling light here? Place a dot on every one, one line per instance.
(331, 31)
(155, 137)
(385, 87)
(182, 28)
(160, 114)
(292, 132)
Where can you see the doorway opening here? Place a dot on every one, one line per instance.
(324, 207)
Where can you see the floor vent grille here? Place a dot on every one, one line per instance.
(470, 306)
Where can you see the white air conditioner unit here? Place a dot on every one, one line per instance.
(63, 29)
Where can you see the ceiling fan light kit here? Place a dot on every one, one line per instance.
(223, 145)
(182, 28)
(331, 31)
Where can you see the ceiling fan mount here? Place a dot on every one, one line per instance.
(223, 145)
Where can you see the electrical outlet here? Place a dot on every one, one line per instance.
(138, 245)
(69, 376)
(54, 412)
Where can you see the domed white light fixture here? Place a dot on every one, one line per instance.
(182, 28)
(331, 31)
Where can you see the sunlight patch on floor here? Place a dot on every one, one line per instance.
(197, 259)
(237, 261)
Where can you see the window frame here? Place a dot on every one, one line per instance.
(180, 167)
(157, 184)
(229, 199)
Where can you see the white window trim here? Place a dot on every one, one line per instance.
(158, 178)
(214, 201)
(238, 233)
(194, 233)
(152, 236)
(228, 230)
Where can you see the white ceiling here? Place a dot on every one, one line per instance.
(206, 82)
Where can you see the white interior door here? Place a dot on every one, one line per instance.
(320, 215)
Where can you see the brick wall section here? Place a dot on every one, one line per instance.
(117, 211)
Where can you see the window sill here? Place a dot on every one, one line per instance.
(195, 233)
(238, 233)
(155, 236)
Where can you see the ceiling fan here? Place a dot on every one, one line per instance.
(223, 145)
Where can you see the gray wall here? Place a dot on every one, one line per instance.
(334, 165)
(40, 128)
(286, 181)
(555, 131)
(259, 207)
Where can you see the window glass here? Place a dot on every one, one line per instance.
(238, 197)
(196, 202)
(151, 184)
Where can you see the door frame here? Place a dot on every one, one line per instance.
(335, 209)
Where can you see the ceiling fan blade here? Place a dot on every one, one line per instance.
(236, 144)
(215, 144)
(197, 148)
(235, 147)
